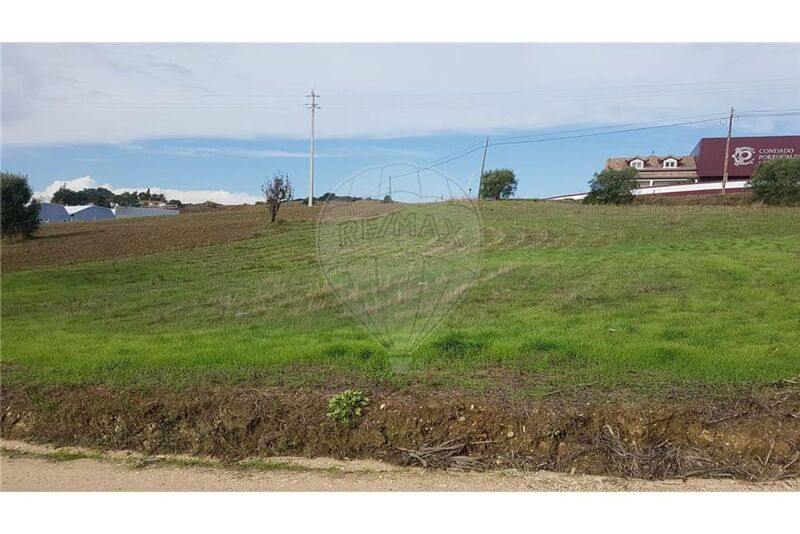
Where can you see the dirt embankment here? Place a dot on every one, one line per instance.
(752, 438)
(27, 467)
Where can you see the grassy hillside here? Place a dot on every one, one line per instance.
(61, 244)
(568, 295)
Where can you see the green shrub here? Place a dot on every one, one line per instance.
(19, 214)
(346, 406)
(777, 182)
(612, 187)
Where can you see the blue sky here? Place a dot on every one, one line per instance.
(210, 122)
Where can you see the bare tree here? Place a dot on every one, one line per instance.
(277, 190)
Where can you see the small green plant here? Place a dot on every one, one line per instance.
(553, 431)
(346, 406)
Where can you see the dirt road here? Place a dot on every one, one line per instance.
(25, 467)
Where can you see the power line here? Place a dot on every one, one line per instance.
(313, 106)
(596, 134)
(459, 152)
(422, 100)
(483, 166)
(516, 93)
(768, 110)
(727, 151)
(540, 137)
(524, 139)
(428, 166)
(619, 125)
(290, 96)
(752, 115)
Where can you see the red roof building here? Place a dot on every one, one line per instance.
(705, 165)
(744, 155)
(700, 173)
(658, 170)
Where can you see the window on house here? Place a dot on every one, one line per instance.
(670, 163)
(637, 164)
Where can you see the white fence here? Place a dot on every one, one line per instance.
(121, 212)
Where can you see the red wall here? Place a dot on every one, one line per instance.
(744, 155)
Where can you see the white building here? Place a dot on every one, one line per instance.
(122, 212)
(56, 213)
(88, 213)
(52, 213)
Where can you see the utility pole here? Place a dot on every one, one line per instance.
(391, 200)
(313, 107)
(727, 154)
(483, 166)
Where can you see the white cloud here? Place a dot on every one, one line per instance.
(76, 184)
(192, 196)
(119, 93)
(243, 152)
(232, 151)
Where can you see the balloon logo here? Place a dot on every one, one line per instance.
(399, 263)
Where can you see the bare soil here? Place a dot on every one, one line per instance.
(25, 467)
(753, 437)
(76, 242)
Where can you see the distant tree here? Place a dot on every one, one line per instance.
(497, 184)
(387, 199)
(98, 196)
(175, 202)
(19, 214)
(101, 196)
(612, 187)
(146, 196)
(126, 198)
(65, 196)
(277, 190)
(777, 182)
(327, 197)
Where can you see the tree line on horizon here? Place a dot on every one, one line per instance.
(100, 196)
(776, 182)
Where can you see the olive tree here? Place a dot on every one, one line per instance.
(497, 184)
(277, 190)
(19, 215)
(612, 187)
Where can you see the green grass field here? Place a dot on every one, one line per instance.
(615, 296)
